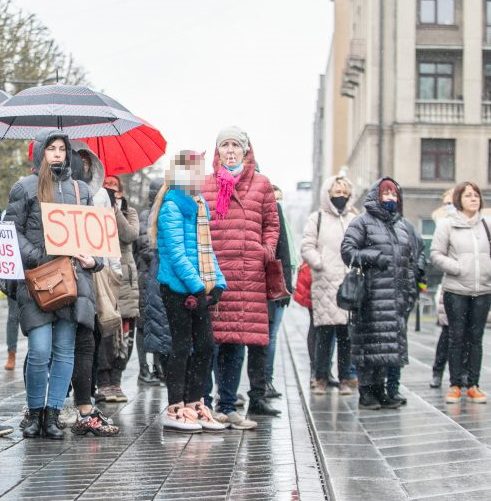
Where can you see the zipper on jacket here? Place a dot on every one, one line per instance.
(61, 191)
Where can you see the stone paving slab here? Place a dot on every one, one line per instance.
(275, 462)
(425, 450)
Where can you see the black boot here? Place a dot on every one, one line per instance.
(398, 397)
(271, 391)
(367, 399)
(34, 423)
(436, 380)
(146, 377)
(50, 424)
(261, 407)
(385, 401)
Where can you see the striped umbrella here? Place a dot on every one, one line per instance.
(77, 110)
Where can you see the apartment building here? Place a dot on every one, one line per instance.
(417, 86)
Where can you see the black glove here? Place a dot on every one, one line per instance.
(214, 296)
(383, 262)
(112, 196)
(124, 206)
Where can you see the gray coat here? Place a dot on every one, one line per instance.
(25, 211)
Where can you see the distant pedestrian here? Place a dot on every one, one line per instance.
(245, 229)
(51, 335)
(461, 249)
(321, 250)
(191, 282)
(378, 242)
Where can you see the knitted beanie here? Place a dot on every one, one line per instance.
(236, 133)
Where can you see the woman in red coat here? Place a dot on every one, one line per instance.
(245, 229)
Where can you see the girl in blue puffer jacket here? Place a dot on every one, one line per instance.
(191, 281)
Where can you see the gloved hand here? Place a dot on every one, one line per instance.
(196, 302)
(383, 262)
(112, 196)
(214, 296)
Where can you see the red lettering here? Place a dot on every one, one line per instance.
(114, 229)
(75, 213)
(101, 231)
(51, 219)
(9, 250)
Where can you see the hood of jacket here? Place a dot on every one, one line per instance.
(154, 188)
(373, 206)
(459, 220)
(98, 172)
(41, 142)
(249, 163)
(325, 199)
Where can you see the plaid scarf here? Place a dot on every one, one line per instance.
(205, 249)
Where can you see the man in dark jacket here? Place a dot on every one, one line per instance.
(379, 243)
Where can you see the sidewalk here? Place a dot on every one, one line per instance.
(425, 450)
(275, 462)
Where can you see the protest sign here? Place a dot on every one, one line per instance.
(10, 260)
(79, 229)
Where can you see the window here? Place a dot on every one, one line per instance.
(489, 161)
(435, 80)
(437, 12)
(487, 82)
(437, 159)
(427, 230)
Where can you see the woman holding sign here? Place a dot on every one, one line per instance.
(51, 334)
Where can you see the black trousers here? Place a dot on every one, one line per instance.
(466, 321)
(441, 355)
(369, 375)
(311, 343)
(108, 373)
(324, 335)
(82, 367)
(192, 348)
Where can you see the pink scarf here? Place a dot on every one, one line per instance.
(226, 184)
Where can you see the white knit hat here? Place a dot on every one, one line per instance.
(234, 132)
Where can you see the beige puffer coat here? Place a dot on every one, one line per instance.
(323, 255)
(461, 249)
(128, 230)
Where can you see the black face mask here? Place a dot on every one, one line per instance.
(58, 168)
(339, 203)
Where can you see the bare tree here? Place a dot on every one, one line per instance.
(29, 56)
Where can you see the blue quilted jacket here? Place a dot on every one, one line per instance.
(178, 246)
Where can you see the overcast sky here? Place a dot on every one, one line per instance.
(191, 67)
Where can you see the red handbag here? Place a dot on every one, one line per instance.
(275, 281)
(303, 289)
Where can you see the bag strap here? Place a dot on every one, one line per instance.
(487, 233)
(319, 219)
(77, 191)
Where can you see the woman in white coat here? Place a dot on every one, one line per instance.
(321, 250)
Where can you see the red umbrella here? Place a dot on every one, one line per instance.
(134, 150)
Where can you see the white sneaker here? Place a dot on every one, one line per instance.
(181, 419)
(205, 417)
(69, 414)
(220, 417)
(238, 422)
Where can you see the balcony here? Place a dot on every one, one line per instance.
(486, 112)
(441, 112)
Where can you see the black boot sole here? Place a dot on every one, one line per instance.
(370, 407)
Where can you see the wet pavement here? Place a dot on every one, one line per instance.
(322, 447)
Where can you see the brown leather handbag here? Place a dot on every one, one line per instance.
(275, 281)
(53, 285)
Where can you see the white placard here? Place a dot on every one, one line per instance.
(10, 260)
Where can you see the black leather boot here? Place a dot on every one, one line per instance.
(50, 424)
(385, 401)
(34, 424)
(271, 391)
(367, 399)
(261, 407)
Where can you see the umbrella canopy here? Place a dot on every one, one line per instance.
(130, 152)
(4, 96)
(77, 110)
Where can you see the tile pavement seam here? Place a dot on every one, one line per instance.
(317, 446)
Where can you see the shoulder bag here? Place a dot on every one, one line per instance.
(352, 291)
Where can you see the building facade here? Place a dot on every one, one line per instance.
(417, 86)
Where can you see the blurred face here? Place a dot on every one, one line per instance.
(231, 153)
(55, 152)
(86, 161)
(189, 174)
(112, 183)
(339, 190)
(470, 200)
(387, 196)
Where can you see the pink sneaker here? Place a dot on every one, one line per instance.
(205, 417)
(181, 419)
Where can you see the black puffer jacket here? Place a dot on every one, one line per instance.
(157, 337)
(142, 250)
(25, 211)
(379, 333)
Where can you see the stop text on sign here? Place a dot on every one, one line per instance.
(76, 229)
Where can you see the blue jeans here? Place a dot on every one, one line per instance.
(55, 341)
(230, 360)
(393, 380)
(12, 325)
(274, 327)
